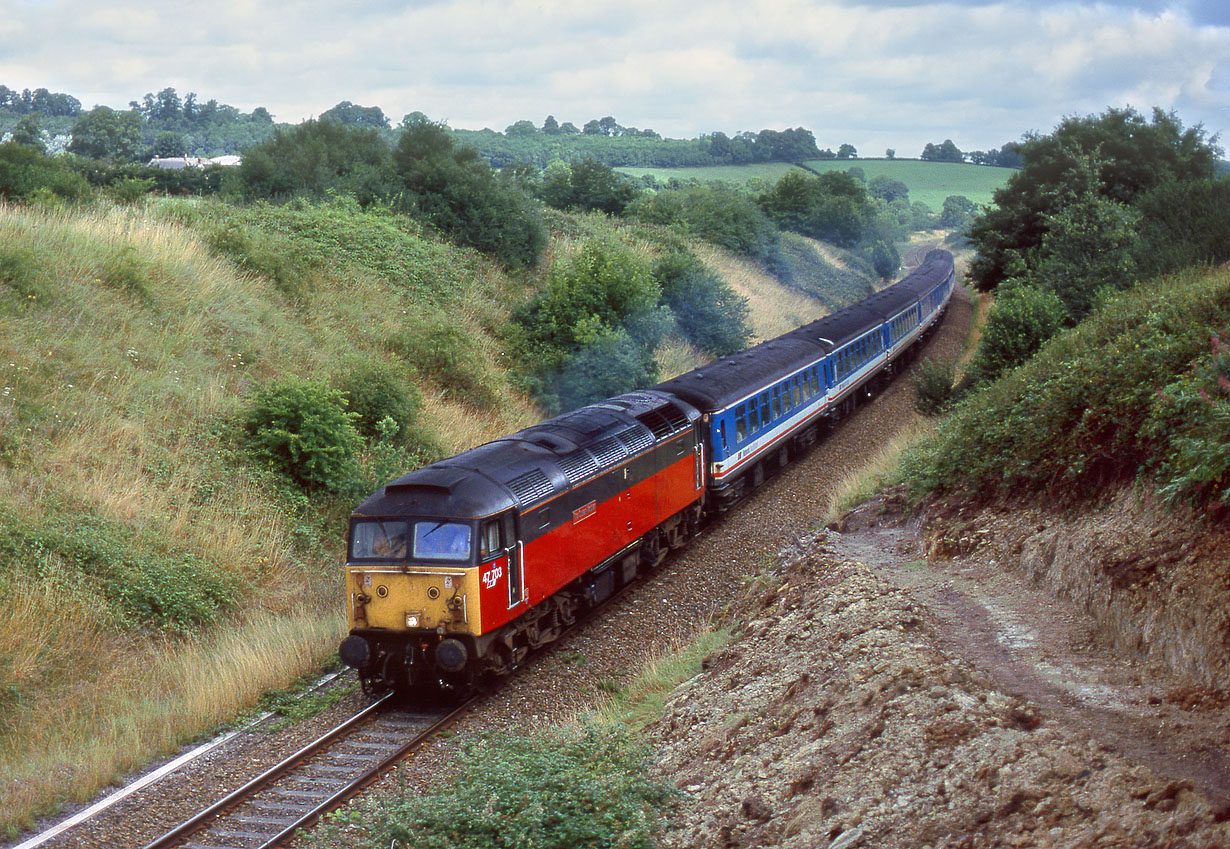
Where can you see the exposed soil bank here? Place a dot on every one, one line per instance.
(857, 709)
(1156, 582)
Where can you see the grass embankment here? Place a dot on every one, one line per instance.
(1140, 391)
(156, 582)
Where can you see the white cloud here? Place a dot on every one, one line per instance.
(875, 74)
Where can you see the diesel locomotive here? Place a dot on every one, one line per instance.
(456, 571)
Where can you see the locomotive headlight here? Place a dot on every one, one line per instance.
(412, 620)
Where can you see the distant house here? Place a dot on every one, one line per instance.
(179, 163)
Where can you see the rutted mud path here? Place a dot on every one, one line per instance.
(1048, 650)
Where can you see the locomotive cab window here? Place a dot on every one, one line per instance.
(442, 541)
(379, 540)
(489, 541)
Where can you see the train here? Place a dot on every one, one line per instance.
(457, 571)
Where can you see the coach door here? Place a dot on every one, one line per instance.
(516, 580)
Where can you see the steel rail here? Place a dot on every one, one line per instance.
(199, 820)
(370, 776)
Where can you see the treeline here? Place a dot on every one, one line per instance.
(605, 140)
(162, 124)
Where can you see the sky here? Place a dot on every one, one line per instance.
(877, 75)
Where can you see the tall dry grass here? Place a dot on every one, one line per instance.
(117, 384)
(775, 308)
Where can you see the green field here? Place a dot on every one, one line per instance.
(929, 182)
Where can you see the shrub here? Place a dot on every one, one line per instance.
(302, 429)
(1136, 391)
(374, 392)
(540, 791)
(933, 386)
(1021, 320)
(232, 239)
(445, 354)
(609, 365)
(710, 314)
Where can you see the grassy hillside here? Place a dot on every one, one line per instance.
(156, 580)
(769, 172)
(929, 182)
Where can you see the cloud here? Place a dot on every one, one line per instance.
(884, 74)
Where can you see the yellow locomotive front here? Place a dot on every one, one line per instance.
(416, 554)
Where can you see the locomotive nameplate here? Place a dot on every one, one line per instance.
(584, 511)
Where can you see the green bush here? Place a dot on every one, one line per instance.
(609, 365)
(141, 585)
(302, 429)
(373, 392)
(232, 239)
(709, 313)
(934, 389)
(1021, 320)
(25, 172)
(559, 790)
(445, 354)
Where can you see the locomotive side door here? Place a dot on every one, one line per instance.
(512, 544)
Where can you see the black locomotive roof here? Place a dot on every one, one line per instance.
(534, 464)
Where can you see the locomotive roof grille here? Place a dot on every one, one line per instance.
(609, 451)
(657, 423)
(578, 466)
(635, 438)
(530, 487)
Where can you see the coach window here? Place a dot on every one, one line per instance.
(753, 417)
(786, 396)
(766, 414)
(489, 542)
(815, 380)
(740, 424)
(794, 390)
(722, 431)
(777, 402)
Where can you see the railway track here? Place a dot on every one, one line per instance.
(319, 778)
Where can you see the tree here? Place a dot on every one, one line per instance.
(353, 115)
(316, 158)
(1132, 157)
(169, 144)
(456, 192)
(592, 128)
(832, 206)
(587, 184)
(957, 213)
(102, 133)
(550, 126)
(1086, 251)
(890, 153)
(847, 151)
(945, 152)
(888, 189)
(29, 132)
(521, 128)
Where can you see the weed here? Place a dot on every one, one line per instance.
(566, 788)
